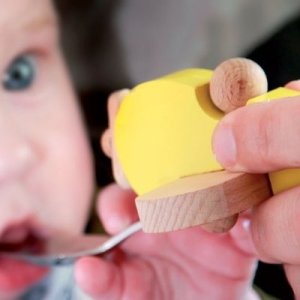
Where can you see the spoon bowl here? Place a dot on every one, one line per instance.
(64, 250)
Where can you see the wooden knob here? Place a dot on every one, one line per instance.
(235, 81)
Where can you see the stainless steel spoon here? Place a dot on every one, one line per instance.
(65, 250)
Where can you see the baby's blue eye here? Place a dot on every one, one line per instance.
(20, 73)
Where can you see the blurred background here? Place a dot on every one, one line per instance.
(110, 45)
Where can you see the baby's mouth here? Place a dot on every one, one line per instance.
(31, 244)
(17, 275)
(21, 238)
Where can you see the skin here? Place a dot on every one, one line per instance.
(46, 178)
(46, 183)
(275, 223)
(270, 232)
(164, 266)
(189, 264)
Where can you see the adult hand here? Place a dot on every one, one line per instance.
(187, 264)
(261, 138)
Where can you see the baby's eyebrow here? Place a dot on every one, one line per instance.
(41, 22)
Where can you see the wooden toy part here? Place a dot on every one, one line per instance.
(212, 200)
(163, 130)
(235, 81)
(222, 225)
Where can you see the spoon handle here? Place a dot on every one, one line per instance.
(115, 240)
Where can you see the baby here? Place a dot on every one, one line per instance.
(46, 187)
(45, 160)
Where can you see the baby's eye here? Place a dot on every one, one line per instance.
(20, 73)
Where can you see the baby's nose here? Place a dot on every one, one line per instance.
(16, 155)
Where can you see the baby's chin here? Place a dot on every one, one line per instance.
(17, 276)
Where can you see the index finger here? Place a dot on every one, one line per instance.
(275, 228)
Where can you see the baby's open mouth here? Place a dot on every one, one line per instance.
(21, 238)
(31, 244)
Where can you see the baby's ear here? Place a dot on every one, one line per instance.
(107, 139)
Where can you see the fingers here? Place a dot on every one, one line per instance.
(276, 229)
(293, 276)
(116, 208)
(107, 140)
(105, 143)
(261, 137)
(241, 234)
(131, 278)
(96, 277)
(294, 85)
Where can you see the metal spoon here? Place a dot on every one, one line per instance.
(65, 250)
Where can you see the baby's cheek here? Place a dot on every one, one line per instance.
(85, 188)
(73, 182)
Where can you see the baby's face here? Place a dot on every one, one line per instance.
(46, 180)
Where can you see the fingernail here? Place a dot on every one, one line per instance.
(224, 145)
(122, 93)
(246, 223)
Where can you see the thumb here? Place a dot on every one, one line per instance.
(260, 137)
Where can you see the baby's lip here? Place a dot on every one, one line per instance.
(16, 276)
(23, 236)
(29, 244)
(17, 229)
(14, 235)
